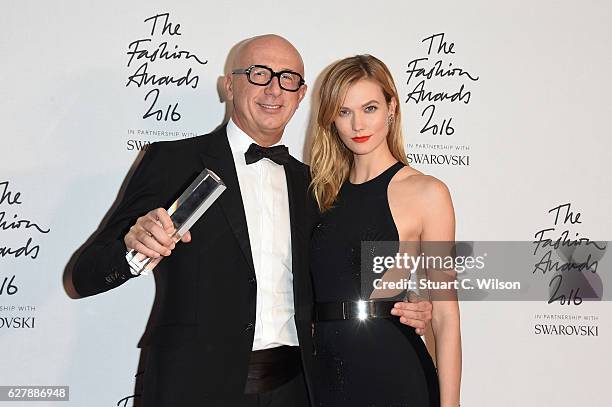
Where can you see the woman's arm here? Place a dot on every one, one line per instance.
(438, 225)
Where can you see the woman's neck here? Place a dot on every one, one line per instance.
(368, 166)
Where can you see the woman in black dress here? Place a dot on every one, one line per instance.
(367, 192)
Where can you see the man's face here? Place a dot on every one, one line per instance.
(264, 111)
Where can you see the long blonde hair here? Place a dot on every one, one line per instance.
(330, 159)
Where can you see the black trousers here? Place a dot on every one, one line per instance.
(291, 394)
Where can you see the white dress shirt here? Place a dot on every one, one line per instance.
(263, 186)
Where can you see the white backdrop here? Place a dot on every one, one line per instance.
(534, 134)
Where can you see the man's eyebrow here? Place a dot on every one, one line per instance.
(289, 69)
(280, 70)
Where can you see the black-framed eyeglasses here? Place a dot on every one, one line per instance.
(262, 75)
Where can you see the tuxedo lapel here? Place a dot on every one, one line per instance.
(218, 158)
(296, 191)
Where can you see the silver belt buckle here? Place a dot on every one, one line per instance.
(363, 311)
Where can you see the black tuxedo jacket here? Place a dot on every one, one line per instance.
(202, 335)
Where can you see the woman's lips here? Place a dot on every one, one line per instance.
(361, 139)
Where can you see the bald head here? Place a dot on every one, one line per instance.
(250, 50)
(263, 111)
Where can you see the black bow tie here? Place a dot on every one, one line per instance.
(278, 154)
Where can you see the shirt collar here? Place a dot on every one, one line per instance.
(239, 141)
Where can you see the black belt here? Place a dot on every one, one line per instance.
(328, 311)
(271, 368)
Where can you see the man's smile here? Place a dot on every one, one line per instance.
(269, 106)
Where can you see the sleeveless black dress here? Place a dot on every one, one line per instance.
(379, 362)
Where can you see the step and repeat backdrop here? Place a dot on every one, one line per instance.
(507, 102)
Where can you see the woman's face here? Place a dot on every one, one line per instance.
(362, 121)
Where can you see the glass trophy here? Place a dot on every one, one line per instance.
(184, 212)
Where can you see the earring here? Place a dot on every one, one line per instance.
(390, 119)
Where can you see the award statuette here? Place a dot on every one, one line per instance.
(184, 212)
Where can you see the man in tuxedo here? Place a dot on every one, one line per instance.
(235, 305)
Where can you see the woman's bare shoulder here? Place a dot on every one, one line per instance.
(409, 180)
